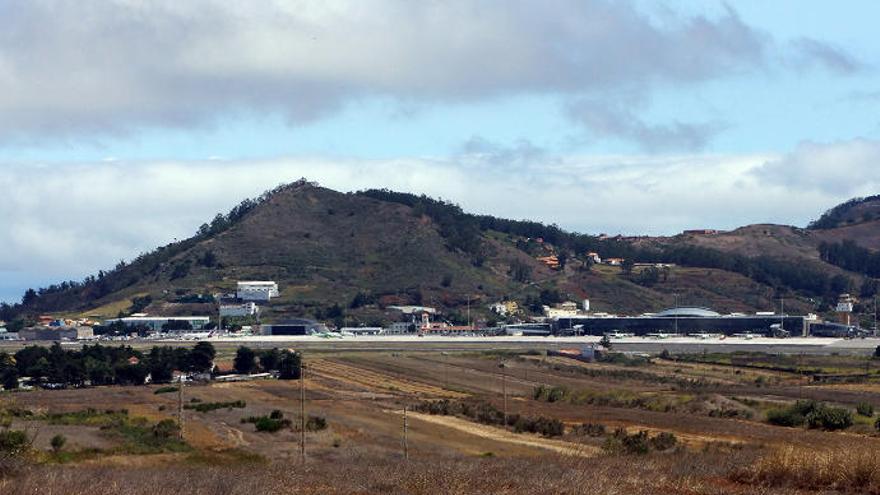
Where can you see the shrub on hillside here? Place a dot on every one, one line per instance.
(830, 418)
(812, 414)
(864, 409)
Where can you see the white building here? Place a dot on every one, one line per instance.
(244, 309)
(257, 290)
(562, 310)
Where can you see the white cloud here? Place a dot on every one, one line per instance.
(842, 168)
(97, 67)
(67, 220)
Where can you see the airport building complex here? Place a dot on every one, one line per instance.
(699, 321)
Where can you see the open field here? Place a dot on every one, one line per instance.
(467, 428)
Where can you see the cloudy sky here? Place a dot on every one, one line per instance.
(125, 124)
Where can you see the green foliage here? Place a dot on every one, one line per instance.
(245, 360)
(201, 358)
(289, 368)
(204, 407)
(829, 418)
(520, 271)
(865, 409)
(460, 230)
(663, 441)
(266, 424)
(57, 442)
(488, 414)
(837, 216)
(850, 256)
(270, 359)
(13, 442)
(316, 423)
(166, 429)
(812, 414)
(639, 443)
(590, 430)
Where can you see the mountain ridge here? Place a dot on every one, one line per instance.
(356, 253)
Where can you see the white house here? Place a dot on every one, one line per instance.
(244, 309)
(257, 290)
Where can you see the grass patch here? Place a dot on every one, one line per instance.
(165, 390)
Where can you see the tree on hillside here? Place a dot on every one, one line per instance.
(520, 271)
(245, 360)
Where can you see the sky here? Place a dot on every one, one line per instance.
(126, 124)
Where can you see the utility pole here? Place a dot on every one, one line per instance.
(180, 408)
(302, 408)
(405, 430)
(469, 311)
(504, 389)
(445, 369)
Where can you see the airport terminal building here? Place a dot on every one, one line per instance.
(692, 320)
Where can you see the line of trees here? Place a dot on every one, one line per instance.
(102, 365)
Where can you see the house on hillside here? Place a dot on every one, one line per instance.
(245, 309)
(257, 290)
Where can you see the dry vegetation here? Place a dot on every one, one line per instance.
(624, 426)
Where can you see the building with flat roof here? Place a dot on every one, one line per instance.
(293, 326)
(256, 290)
(155, 323)
(249, 308)
(684, 321)
(55, 333)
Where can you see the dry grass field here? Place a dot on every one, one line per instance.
(714, 414)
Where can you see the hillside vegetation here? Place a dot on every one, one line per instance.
(346, 256)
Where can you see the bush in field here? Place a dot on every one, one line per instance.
(316, 423)
(13, 442)
(664, 441)
(864, 409)
(639, 443)
(793, 415)
(590, 430)
(269, 425)
(550, 394)
(812, 414)
(57, 442)
(165, 429)
(830, 418)
(621, 441)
